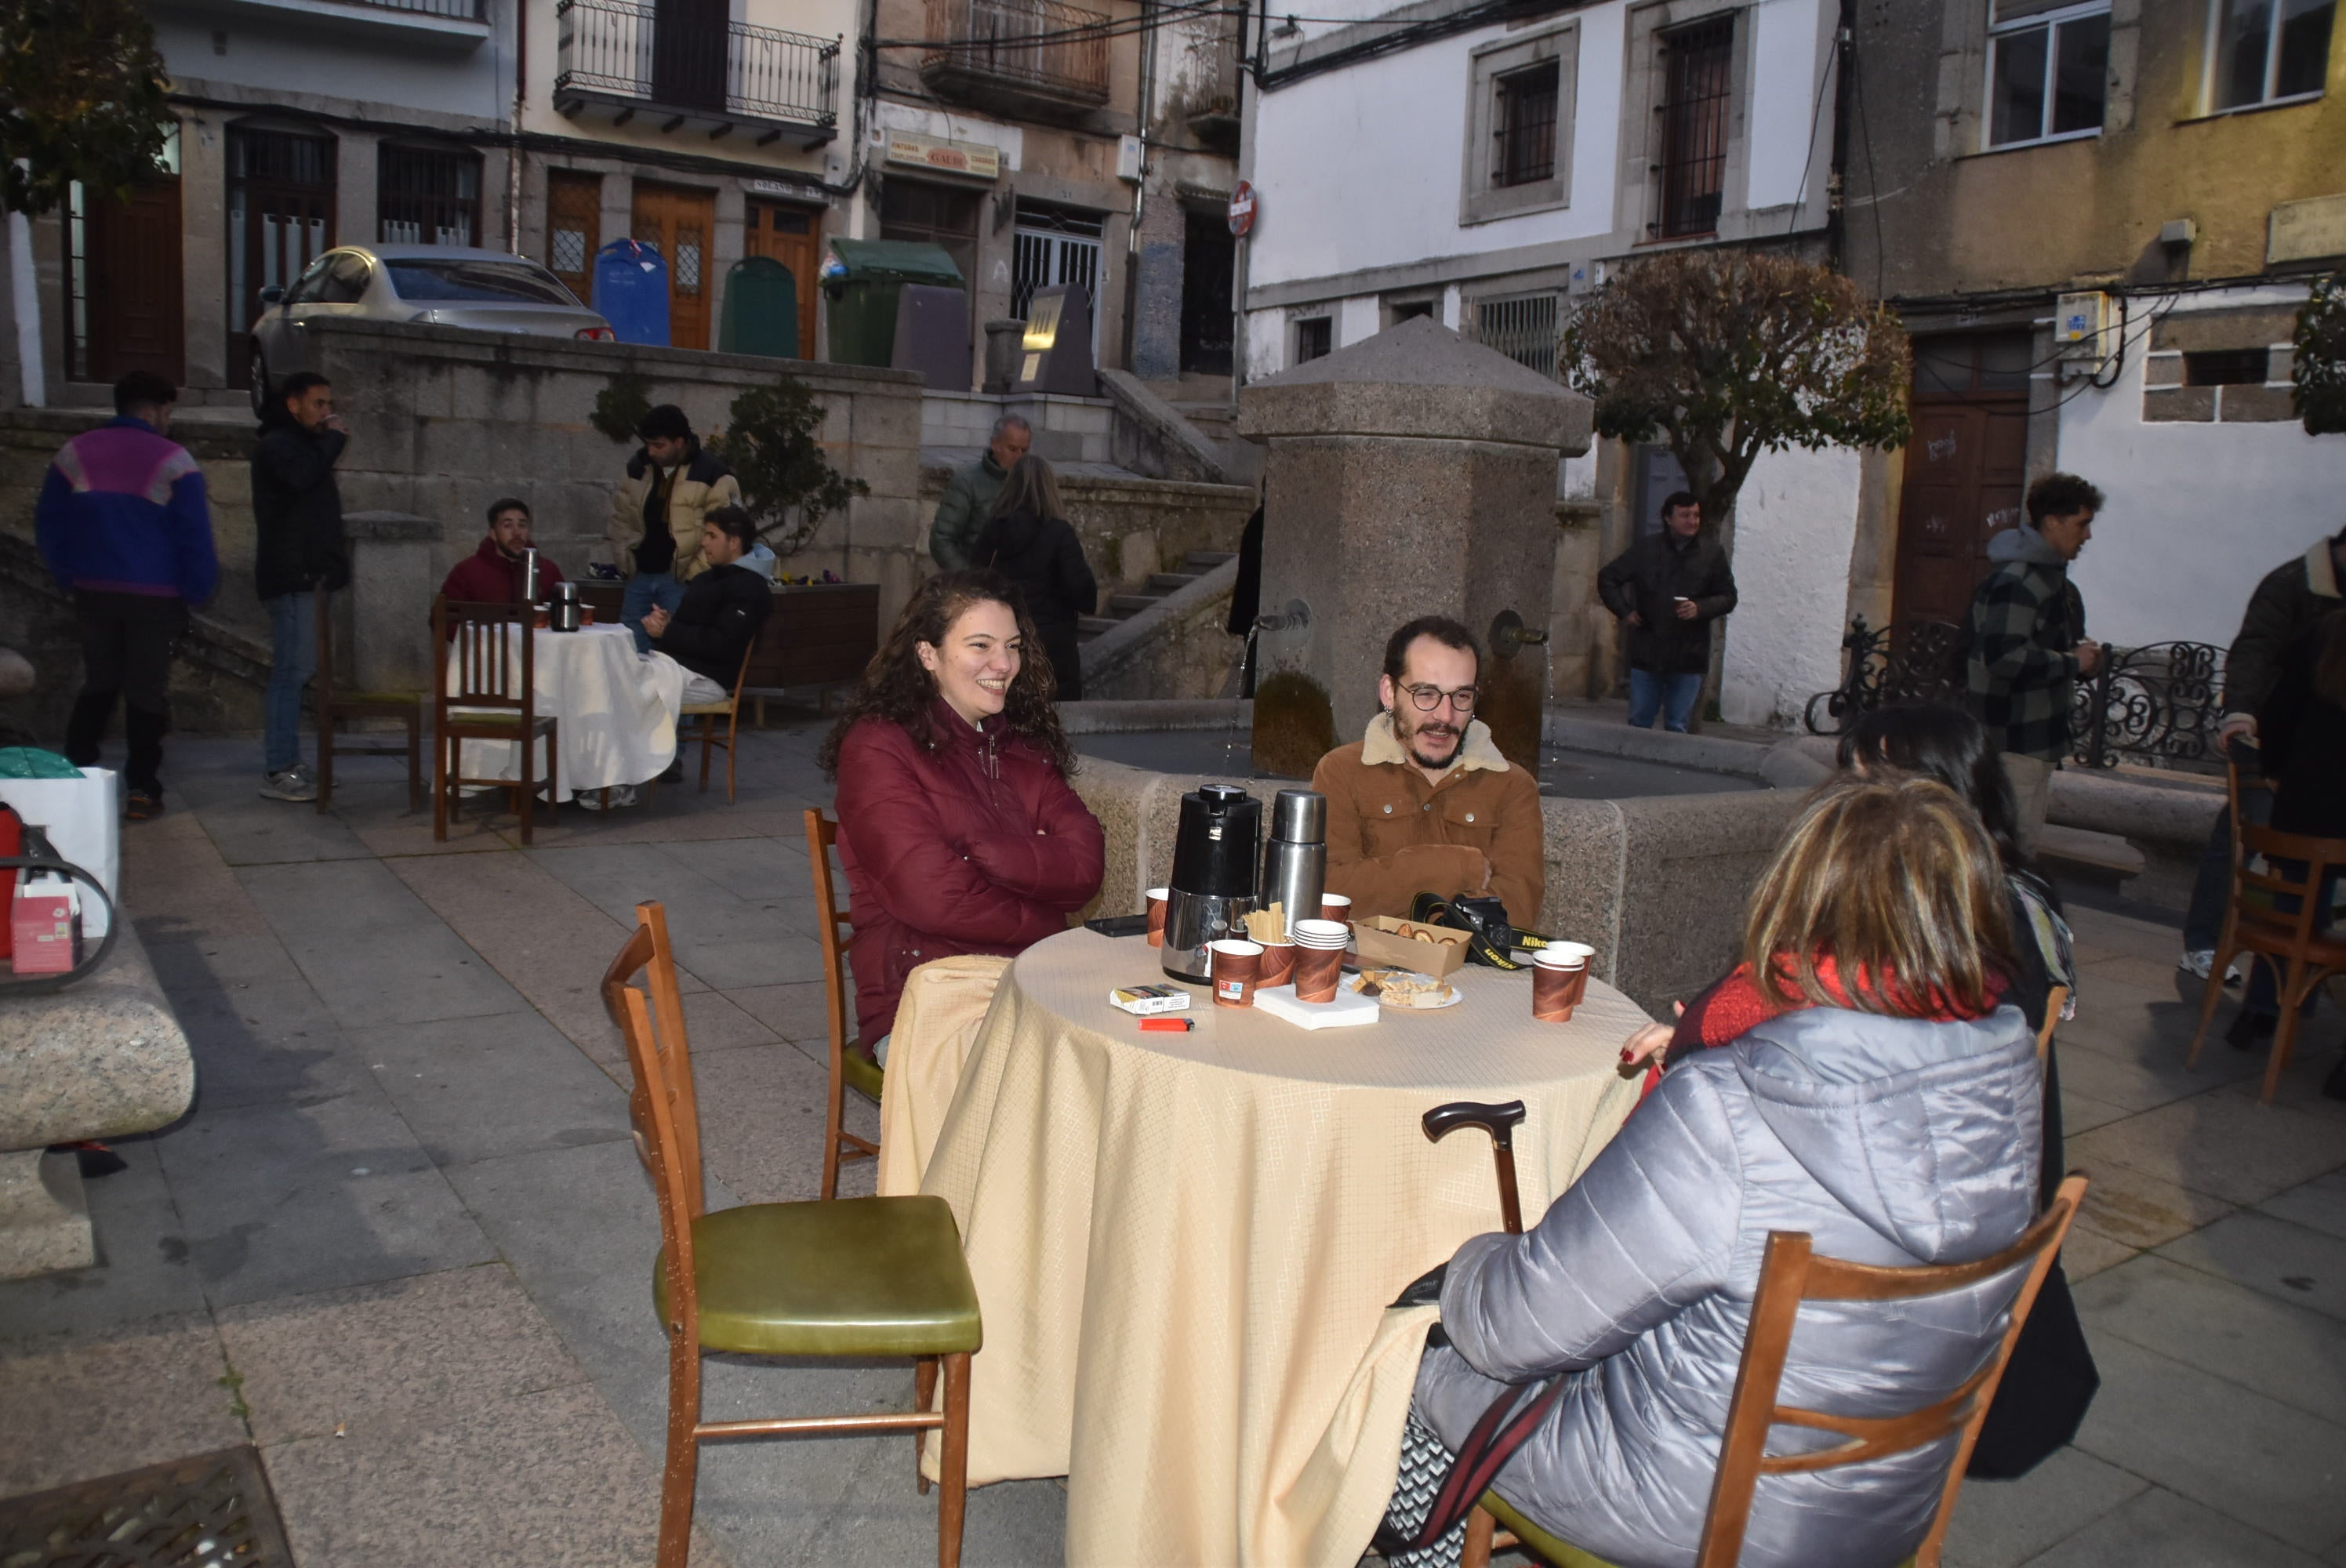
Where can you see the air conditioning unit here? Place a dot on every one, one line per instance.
(2084, 331)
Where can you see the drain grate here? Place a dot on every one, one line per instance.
(210, 1511)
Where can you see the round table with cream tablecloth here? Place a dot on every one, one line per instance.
(1184, 1244)
(614, 711)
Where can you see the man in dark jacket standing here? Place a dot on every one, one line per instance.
(722, 610)
(297, 513)
(124, 527)
(2026, 627)
(1669, 587)
(2288, 604)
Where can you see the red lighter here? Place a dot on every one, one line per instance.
(1168, 1025)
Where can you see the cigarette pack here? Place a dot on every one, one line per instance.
(1147, 999)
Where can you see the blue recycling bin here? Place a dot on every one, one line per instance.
(631, 291)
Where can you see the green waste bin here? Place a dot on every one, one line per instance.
(761, 310)
(862, 281)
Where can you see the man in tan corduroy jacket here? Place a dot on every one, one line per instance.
(1424, 803)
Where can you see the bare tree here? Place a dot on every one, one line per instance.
(1724, 355)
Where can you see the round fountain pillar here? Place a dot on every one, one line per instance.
(1409, 475)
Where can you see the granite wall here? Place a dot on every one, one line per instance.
(1130, 526)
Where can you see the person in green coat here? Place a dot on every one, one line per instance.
(969, 495)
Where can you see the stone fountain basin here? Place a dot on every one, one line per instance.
(103, 1058)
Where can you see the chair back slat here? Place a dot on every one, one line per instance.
(321, 683)
(1791, 1273)
(494, 658)
(822, 833)
(2319, 857)
(662, 1103)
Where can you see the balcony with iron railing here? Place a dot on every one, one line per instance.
(620, 62)
(1033, 57)
(437, 26)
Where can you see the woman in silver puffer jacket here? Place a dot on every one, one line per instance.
(1890, 1108)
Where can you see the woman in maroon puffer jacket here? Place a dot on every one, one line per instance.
(956, 826)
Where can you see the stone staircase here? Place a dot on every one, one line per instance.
(1124, 606)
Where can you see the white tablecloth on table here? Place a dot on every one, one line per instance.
(614, 711)
(1184, 1244)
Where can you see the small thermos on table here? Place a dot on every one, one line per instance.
(1295, 859)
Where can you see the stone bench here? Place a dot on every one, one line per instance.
(101, 1059)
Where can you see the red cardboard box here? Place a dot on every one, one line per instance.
(44, 929)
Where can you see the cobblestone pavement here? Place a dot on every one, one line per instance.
(402, 1244)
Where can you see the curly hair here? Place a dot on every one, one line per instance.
(897, 688)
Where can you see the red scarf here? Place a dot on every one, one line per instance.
(1734, 1004)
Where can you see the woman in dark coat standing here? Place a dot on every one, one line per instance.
(957, 828)
(1029, 541)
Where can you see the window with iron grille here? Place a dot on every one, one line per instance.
(1523, 327)
(426, 197)
(2226, 367)
(1698, 70)
(1314, 337)
(1519, 125)
(573, 227)
(1525, 126)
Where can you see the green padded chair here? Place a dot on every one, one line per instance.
(489, 692)
(1791, 1273)
(849, 1067)
(863, 1277)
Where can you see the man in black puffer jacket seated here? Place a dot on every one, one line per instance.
(722, 609)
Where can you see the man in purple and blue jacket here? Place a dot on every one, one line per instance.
(124, 527)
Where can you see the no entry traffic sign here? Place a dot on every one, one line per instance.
(1242, 209)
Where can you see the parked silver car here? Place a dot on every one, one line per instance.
(488, 291)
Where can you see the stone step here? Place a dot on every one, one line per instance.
(1203, 561)
(1161, 583)
(1122, 605)
(1090, 627)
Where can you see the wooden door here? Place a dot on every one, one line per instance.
(1965, 471)
(793, 237)
(133, 290)
(679, 220)
(1207, 322)
(573, 228)
(281, 218)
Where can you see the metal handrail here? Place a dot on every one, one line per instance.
(1036, 42)
(612, 46)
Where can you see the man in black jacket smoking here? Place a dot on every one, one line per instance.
(722, 609)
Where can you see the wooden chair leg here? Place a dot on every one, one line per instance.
(682, 1472)
(2293, 992)
(707, 740)
(732, 734)
(325, 760)
(528, 784)
(2208, 1001)
(952, 1468)
(439, 788)
(414, 760)
(1480, 1528)
(924, 1394)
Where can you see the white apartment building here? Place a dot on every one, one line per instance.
(1486, 165)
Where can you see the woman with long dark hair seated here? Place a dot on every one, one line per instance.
(1889, 1108)
(957, 828)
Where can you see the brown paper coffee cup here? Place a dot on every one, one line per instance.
(1278, 963)
(1157, 897)
(1237, 969)
(1556, 990)
(1317, 970)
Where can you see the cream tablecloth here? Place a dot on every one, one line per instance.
(1184, 1244)
(616, 711)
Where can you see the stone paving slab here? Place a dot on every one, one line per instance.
(140, 1394)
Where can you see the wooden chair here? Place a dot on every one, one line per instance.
(709, 713)
(858, 1279)
(333, 706)
(489, 693)
(1789, 1274)
(850, 1068)
(2299, 953)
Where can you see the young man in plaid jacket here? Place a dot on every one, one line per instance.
(2027, 635)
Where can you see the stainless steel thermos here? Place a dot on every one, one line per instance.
(1295, 859)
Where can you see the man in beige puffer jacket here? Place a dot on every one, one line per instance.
(660, 513)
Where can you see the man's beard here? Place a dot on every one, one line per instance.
(1424, 739)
